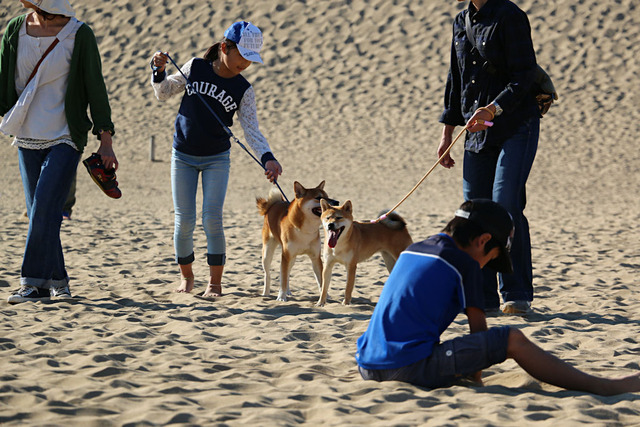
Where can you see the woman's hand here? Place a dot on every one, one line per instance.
(159, 60)
(105, 150)
(447, 133)
(272, 170)
(477, 122)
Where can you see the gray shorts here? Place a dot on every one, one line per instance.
(450, 360)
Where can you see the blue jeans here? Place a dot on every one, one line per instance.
(46, 178)
(500, 174)
(185, 170)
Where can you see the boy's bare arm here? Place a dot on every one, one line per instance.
(477, 323)
(477, 319)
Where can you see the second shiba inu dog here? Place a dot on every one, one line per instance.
(350, 242)
(295, 227)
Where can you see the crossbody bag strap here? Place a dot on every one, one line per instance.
(44, 55)
(67, 30)
(488, 66)
(467, 27)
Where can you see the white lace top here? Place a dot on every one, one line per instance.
(45, 124)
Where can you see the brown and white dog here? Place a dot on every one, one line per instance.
(294, 226)
(350, 242)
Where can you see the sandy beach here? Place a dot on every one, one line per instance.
(350, 93)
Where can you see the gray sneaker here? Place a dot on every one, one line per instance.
(28, 293)
(516, 307)
(61, 292)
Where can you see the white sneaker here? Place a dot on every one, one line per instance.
(61, 292)
(516, 307)
(28, 293)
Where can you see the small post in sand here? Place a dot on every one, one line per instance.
(152, 149)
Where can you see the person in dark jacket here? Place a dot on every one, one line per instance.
(491, 76)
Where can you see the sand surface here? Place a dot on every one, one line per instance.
(350, 93)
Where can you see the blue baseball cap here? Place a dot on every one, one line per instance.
(248, 39)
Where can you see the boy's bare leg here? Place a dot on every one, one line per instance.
(547, 368)
(214, 288)
(187, 280)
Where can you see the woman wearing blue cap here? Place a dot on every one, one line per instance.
(201, 144)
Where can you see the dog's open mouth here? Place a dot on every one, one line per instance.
(334, 235)
(317, 211)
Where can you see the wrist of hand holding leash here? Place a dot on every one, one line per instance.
(488, 110)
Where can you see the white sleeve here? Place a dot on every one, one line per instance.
(173, 84)
(248, 117)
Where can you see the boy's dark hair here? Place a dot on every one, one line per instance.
(213, 52)
(464, 231)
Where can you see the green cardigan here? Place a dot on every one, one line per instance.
(86, 86)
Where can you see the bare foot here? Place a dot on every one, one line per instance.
(186, 285)
(212, 291)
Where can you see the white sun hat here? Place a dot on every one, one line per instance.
(55, 7)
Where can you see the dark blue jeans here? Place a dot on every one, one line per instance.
(500, 174)
(46, 178)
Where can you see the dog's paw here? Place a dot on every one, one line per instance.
(320, 303)
(282, 297)
(345, 302)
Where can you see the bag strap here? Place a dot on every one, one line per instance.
(488, 66)
(467, 27)
(72, 25)
(44, 55)
(545, 99)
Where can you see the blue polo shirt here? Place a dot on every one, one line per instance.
(432, 282)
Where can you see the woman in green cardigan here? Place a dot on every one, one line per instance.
(46, 113)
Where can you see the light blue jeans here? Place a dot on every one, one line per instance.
(500, 174)
(46, 178)
(185, 170)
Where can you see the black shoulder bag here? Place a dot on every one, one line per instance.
(543, 86)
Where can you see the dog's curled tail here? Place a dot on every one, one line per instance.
(393, 221)
(265, 204)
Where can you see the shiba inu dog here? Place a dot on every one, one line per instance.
(295, 227)
(350, 242)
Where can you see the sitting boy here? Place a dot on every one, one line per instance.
(431, 283)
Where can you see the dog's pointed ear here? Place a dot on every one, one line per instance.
(321, 186)
(298, 189)
(347, 207)
(324, 205)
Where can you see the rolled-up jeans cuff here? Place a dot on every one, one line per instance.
(216, 259)
(186, 260)
(44, 283)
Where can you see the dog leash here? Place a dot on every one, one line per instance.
(479, 121)
(225, 127)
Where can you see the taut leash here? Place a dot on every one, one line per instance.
(225, 127)
(487, 123)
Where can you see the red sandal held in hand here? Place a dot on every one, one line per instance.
(105, 178)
